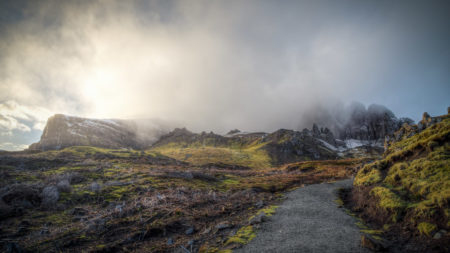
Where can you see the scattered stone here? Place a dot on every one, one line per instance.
(191, 242)
(190, 231)
(170, 241)
(262, 217)
(64, 186)
(95, 187)
(44, 231)
(78, 211)
(206, 231)
(223, 225)
(50, 196)
(259, 204)
(437, 236)
(118, 208)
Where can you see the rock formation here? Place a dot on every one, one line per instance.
(64, 131)
(358, 123)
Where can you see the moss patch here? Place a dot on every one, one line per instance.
(426, 228)
(252, 156)
(243, 236)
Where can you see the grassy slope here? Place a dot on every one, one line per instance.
(252, 155)
(411, 185)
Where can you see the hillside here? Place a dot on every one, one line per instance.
(406, 195)
(256, 150)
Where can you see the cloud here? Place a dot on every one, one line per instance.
(22, 118)
(213, 65)
(12, 146)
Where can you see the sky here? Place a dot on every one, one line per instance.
(218, 65)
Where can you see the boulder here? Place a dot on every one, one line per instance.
(223, 225)
(64, 186)
(49, 195)
(262, 217)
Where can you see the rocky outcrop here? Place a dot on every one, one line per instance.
(356, 122)
(375, 123)
(285, 146)
(282, 146)
(64, 131)
(408, 130)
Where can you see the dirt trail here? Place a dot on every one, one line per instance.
(309, 221)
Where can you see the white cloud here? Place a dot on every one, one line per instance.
(12, 146)
(22, 118)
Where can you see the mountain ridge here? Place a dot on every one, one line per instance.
(363, 134)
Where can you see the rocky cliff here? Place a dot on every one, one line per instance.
(373, 123)
(64, 131)
(356, 122)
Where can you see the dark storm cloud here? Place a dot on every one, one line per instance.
(220, 65)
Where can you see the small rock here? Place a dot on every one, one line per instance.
(191, 242)
(44, 231)
(258, 218)
(259, 204)
(118, 208)
(50, 196)
(64, 186)
(206, 231)
(437, 236)
(189, 231)
(95, 187)
(223, 225)
(78, 211)
(170, 241)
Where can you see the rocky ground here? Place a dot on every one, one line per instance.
(101, 200)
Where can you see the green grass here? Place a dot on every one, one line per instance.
(426, 228)
(252, 156)
(88, 151)
(414, 175)
(242, 236)
(368, 175)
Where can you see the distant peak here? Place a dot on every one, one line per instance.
(235, 131)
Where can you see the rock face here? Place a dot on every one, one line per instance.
(375, 123)
(64, 131)
(356, 122)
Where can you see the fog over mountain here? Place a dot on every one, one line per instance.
(218, 65)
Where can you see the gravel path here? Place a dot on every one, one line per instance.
(309, 221)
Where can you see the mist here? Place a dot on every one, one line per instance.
(220, 65)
